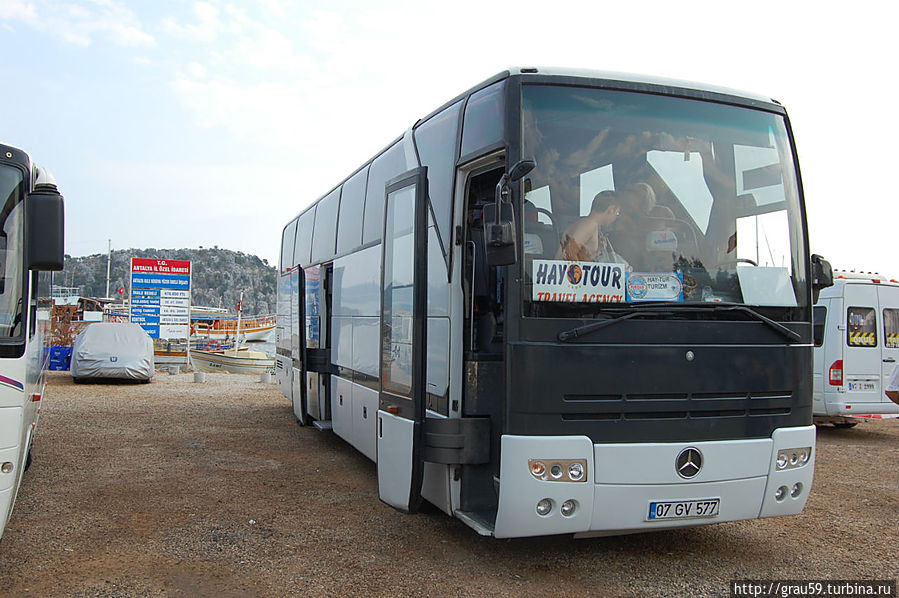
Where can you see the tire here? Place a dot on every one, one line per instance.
(845, 425)
(28, 459)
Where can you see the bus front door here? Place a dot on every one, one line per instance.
(298, 394)
(401, 407)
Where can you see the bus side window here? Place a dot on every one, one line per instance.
(324, 237)
(288, 237)
(891, 328)
(349, 221)
(386, 166)
(861, 329)
(436, 143)
(303, 248)
(819, 318)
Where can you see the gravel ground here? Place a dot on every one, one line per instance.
(182, 489)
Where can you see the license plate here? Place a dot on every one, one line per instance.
(861, 387)
(684, 509)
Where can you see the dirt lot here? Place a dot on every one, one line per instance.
(183, 489)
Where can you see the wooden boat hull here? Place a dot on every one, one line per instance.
(222, 361)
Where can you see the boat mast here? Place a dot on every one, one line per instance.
(237, 340)
(108, 260)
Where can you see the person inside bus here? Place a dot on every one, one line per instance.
(639, 217)
(586, 239)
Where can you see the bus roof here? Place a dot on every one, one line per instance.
(638, 79)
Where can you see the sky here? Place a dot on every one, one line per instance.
(183, 123)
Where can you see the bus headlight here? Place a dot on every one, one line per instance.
(575, 472)
(792, 458)
(780, 494)
(559, 470)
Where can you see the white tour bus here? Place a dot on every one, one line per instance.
(428, 314)
(856, 348)
(31, 245)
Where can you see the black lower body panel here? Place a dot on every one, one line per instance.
(633, 393)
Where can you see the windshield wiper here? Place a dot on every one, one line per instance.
(790, 334)
(669, 309)
(567, 335)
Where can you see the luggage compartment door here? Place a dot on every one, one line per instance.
(401, 405)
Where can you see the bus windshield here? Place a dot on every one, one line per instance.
(648, 198)
(11, 229)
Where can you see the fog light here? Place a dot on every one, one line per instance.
(797, 490)
(575, 471)
(538, 469)
(781, 461)
(781, 493)
(544, 507)
(568, 508)
(555, 471)
(6, 467)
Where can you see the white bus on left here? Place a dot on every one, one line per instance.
(31, 245)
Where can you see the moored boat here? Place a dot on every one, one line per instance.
(234, 361)
(225, 327)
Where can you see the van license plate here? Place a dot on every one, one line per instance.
(684, 509)
(862, 387)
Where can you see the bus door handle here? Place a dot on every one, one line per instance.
(889, 360)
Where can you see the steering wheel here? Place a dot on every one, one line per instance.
(735, 262)
(547, 213)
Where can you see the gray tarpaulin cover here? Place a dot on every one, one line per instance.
(113, 350)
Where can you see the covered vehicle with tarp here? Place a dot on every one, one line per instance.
(113, 350)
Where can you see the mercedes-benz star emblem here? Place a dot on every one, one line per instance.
(688, 463)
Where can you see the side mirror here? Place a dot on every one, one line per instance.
(822, 275)
(499, 218)
(499, 234)
(521, 168)
(44, 229)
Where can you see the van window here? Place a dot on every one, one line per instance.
(861, 330)
(891, 328)
(819, 317)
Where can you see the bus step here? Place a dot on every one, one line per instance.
(323, 425)
(480, 522)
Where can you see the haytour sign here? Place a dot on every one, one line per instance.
(597, 282)
(160, 297)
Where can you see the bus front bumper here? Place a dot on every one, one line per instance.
(637, 487)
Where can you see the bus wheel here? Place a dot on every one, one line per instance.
(28, 460)
(845, 425)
